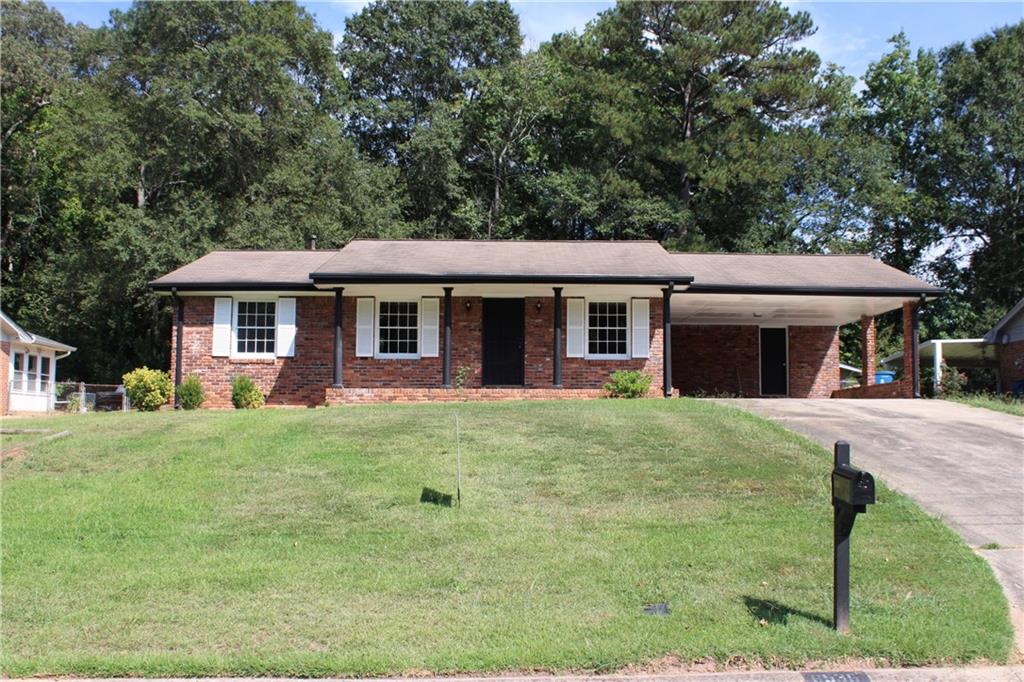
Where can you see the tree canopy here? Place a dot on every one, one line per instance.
(177, 128)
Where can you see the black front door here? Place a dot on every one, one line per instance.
(774, 373)
(504, 332)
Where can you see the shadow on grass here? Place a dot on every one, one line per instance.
(778, 614)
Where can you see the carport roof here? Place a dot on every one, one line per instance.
(800, 274)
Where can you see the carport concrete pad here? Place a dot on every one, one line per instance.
(963, 464)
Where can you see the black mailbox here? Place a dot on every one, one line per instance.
(852, 486)
(852, 491)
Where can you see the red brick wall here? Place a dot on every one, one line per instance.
(716, 359)
(5, 376)
(813, 361)
(903, 388)
(303, 379)
(1011, 364)
(868, 346)
(725, 359)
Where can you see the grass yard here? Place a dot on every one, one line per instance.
(293, 542)
(992, 402)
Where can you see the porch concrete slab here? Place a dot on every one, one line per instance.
(963, 464)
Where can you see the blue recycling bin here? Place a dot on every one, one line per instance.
(885, 377)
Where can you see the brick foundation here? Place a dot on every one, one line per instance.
(306, 378)
(725, 359)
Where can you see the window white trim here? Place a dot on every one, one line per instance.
(586, 330)
(234, 352)
(39, 384)
(376, 330)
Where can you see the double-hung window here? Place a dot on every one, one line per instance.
(32, 375)
(398, 326)
(45, 376)
(607, 329)
(255, 327)
(18, 383)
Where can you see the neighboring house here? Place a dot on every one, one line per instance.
(943, 353)
(1008, 338)
(28, 368)
(398, 320)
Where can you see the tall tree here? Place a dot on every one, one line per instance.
(689, 105)
(413, 68)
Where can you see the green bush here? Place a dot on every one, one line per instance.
(148, 389)
(191, 393)
(628, 384)
(245, 394)
(954, 382)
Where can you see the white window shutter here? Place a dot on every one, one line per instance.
(221, 327)
(575, 343)
(364, 327)
(428, 327)
(285, 341)
(641, 331)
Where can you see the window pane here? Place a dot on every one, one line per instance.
(606, 323)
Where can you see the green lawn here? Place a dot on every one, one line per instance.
(992, 402)
(292, 542)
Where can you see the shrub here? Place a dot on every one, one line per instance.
(191, 393)
(245, 394)
(628, 384)
(954, 382)
(148, 389)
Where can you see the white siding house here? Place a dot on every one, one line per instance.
(28, 368)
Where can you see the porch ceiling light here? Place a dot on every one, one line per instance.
(538, 305)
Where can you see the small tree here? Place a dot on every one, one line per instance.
(191, 393)
(148, 389)
(245, 394)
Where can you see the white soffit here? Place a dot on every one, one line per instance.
(736, 309)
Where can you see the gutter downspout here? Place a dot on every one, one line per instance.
(179, 306)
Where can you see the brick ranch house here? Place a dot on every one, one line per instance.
(1007, 337)
(441, 320)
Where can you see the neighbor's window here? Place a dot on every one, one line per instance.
(256, 327)
(606, 328)
(31, 375)
(18, 383)
(398, 328)
(45, 377)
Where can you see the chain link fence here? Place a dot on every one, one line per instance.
(80, 397)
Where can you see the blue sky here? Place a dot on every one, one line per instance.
(851, 34)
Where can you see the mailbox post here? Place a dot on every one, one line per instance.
(852, 491)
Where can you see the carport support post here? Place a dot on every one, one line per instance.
(556, 342)
(338, 349)
(841, 527)
(666, 351)
(916, 348)
(937, 367)
(446, 364)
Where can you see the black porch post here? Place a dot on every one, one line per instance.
(915, 347)
(446, 366)
(179, 323)
(666, 352)
(338, 350)
(556, 342)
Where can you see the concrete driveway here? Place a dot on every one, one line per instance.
(963, 464)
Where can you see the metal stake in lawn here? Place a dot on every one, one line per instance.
(458, 465)
(852, 491)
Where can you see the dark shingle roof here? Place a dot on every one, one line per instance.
(246, 269)
(501, 261)
(797, 273)
(422, 261)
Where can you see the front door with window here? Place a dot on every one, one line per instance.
(774, 369)
(504, 330)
